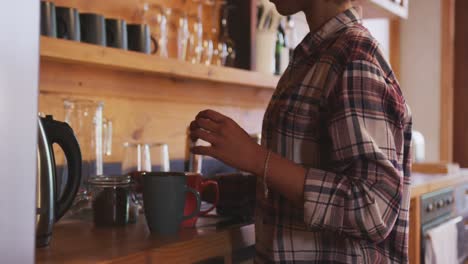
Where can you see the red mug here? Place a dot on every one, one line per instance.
(195, 181)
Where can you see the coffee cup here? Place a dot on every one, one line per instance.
(140, 39)
(93, 28)
(116, 33)
(48, 19)
(68, 23)
(164, 196)
(195, 181)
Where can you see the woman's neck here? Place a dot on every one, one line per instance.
(319, 12)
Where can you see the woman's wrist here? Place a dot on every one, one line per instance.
(258, 161)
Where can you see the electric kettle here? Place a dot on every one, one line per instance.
(51, 207)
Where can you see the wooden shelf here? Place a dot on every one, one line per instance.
(86, 54)
(384, 9)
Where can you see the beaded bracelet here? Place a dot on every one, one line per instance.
(265, 173)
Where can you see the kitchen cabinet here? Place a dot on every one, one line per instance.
(422, 184)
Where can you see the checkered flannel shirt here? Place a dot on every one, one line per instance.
(339, 112)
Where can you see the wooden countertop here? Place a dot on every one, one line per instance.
(425, 183)
(76, 241)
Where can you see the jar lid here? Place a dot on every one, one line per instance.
(110, 181)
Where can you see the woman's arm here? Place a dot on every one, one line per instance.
(232, 145)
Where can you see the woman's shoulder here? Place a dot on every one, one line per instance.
(358, 43)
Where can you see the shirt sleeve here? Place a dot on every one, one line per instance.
(360, 195)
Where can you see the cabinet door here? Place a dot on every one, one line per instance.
(19, 60)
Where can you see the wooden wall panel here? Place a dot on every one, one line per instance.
(414, 247)
(460, 147)
(395, 46)
(447, 80)
(148, 108)
(152, 121)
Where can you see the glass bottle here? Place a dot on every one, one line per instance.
(279, 49)
(291, 35)
(226, 46)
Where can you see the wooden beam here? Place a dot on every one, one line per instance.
(447, 80)
(414, 247)
(395, 46)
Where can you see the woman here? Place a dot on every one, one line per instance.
(334, 165)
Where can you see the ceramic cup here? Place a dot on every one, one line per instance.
(195, 181)
(164, 199)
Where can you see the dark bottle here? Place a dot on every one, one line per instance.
(226, 46)
(280, 45)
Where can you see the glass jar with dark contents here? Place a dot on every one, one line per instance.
(114, 202)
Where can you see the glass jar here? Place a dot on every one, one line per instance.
(113, 202)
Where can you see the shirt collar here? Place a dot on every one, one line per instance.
(348, 18)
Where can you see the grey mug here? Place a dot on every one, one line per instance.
(164, 200)
(48, 19)
(68, 23)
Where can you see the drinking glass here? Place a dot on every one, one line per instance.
(177, 33)
(195, 50)
(183, 34)
(140, 157)
(157, 17)
(209, 35)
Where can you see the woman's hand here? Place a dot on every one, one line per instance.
(229, 142)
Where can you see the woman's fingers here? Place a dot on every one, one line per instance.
(204, 135)
(203, 150)
(213, 115)
(207, 124)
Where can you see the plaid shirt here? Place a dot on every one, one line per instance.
(339, 112)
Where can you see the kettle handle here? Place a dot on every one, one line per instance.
(62, 134)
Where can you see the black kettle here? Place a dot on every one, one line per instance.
(50, 207)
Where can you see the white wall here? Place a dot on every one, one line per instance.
(19, 38)
(380, 29)
(420, 69)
